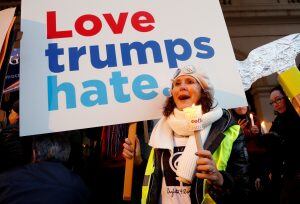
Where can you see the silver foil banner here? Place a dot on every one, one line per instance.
(276, 56)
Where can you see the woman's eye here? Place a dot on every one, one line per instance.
(190, 81)
(177, 83)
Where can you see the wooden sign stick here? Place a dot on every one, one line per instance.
(129, 165)
(198, 140)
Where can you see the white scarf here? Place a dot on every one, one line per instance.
(163, 133)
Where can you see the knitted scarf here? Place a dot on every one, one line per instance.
(176, 124)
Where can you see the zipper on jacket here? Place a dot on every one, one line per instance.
(150, 189)
(196, 194)
(151, 181)
(226, 126)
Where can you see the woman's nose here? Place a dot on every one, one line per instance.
(183, 86)
(276, 106)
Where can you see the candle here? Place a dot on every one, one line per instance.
(251, 118)
(264, 129)
(193, 114)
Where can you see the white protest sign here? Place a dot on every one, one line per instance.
(6, 16)
(94, 63)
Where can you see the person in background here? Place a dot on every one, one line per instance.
(258, 160)
(242, 116)
(106, 165)
(46, 179)
(284, 149)
(14, 150)
(13, 117)
(176, 172)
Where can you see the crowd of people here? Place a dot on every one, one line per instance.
(238, 163)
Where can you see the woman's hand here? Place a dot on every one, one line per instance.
(206, 169)
(129, 152)
(243, 123)
(258, 184)
(254, 129)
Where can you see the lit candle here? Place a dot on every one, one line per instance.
(264, 129)
(251, 118)
(193, 113)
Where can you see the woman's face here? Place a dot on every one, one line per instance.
(278, 101)
(186, 91)
(241, 110)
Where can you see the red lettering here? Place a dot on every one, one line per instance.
(116, 27)
(140, 18)
(51, 27)
(79, 25)
(141, 21)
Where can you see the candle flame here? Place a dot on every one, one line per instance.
(263, 126)
(251, 118)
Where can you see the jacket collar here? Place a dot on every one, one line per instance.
(216, 135)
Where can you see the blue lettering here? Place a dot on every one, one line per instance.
(52, 53)
(54, 89)
(117, 82)
(141, 52)
(173, 56)
(138, 86)
(111, 59)
(86, 99)
(74, 55)
(209, 51)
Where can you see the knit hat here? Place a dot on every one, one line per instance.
(201, 77)
(15, 106)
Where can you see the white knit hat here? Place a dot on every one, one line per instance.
(201, 77)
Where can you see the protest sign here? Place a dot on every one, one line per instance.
(6, 17)
(13, 72)
(110, 62)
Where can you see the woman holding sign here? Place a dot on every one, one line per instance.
(182, 170)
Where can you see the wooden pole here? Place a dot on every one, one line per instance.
(146, 133)
(129, 165)
(198, 140)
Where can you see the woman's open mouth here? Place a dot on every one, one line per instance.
(183, 97)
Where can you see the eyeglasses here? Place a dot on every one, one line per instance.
(277, 101)
(186, 70)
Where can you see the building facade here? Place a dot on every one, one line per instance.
(253, 23)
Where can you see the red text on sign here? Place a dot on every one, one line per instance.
(141, 21)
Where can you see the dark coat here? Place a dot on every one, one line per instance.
(44, 182)
(15, 151)
(235, 187)
(284, 140)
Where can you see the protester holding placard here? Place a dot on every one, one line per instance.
(211, 174)
(284, 145)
